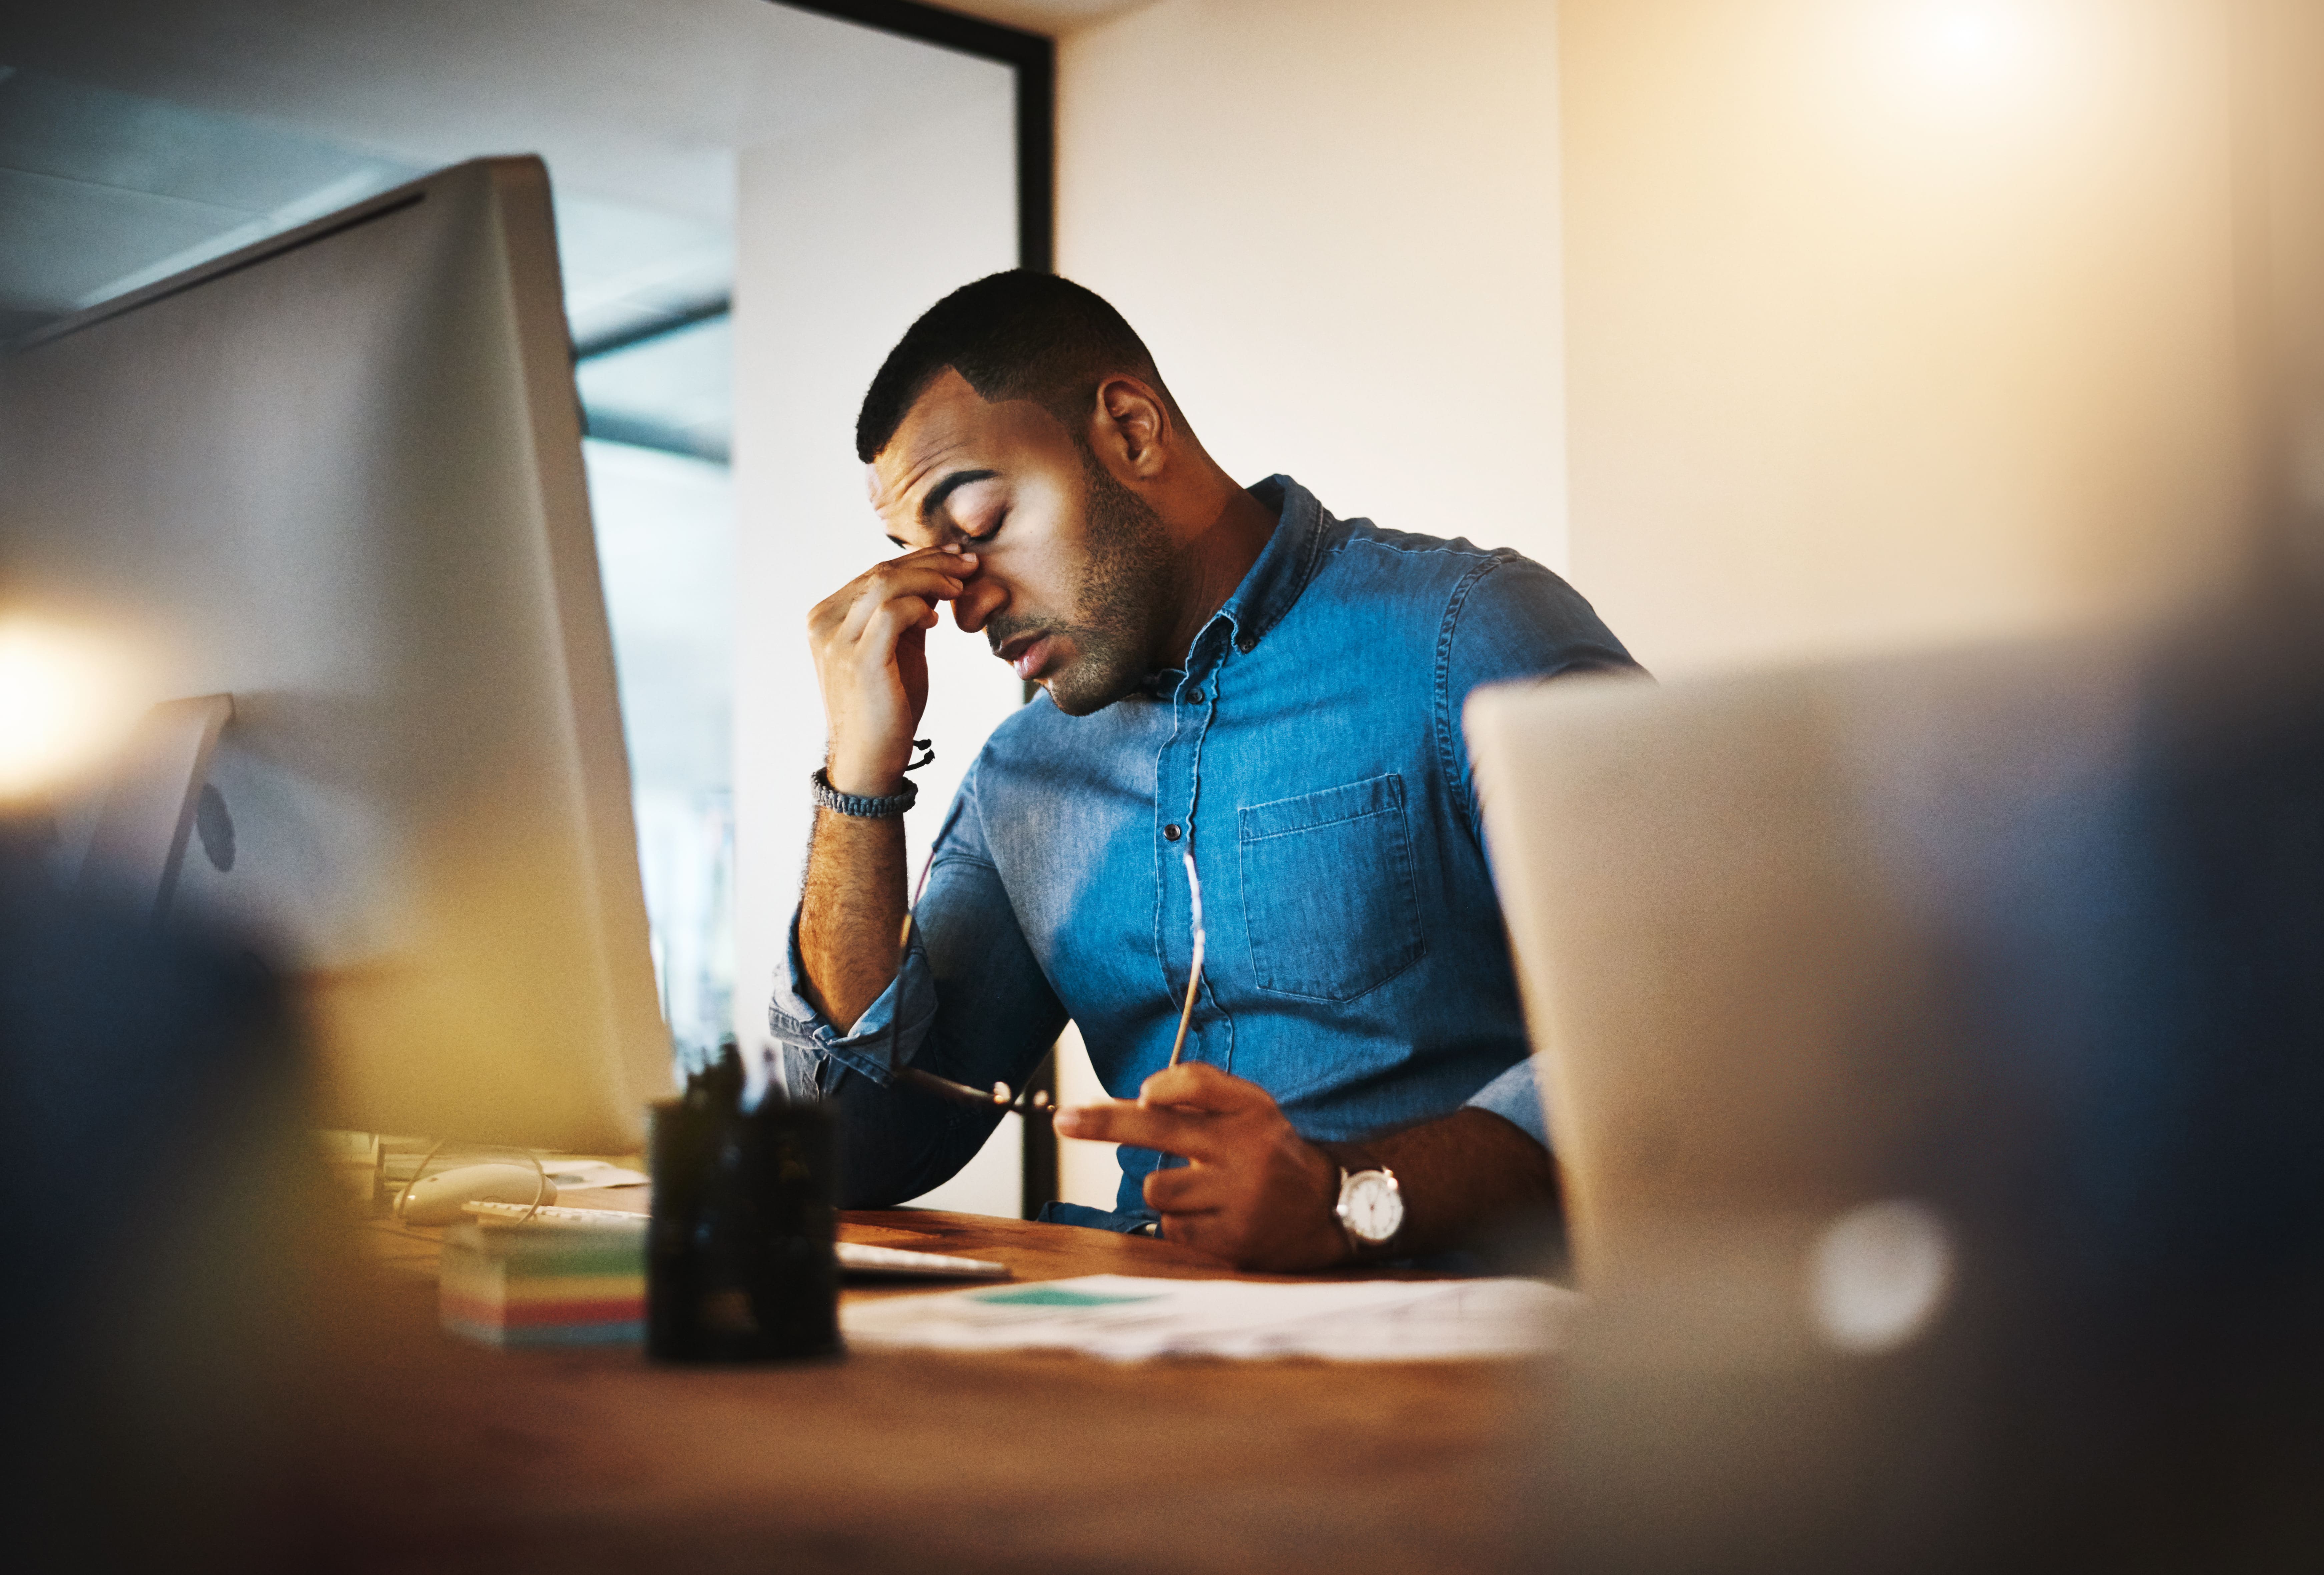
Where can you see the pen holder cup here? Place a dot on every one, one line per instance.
(739, 1259)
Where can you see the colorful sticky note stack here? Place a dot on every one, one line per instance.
(535, 1284)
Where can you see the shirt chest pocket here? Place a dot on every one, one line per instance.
(1327, 890)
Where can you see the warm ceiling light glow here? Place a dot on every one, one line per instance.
(1974, 42)
(1971, 35)
(64, 702)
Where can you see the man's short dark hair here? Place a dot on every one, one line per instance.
(1013, 335)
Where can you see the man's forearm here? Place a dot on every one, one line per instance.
(852, 912)
(1457, 1173)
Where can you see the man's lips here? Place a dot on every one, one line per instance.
(1028, 653)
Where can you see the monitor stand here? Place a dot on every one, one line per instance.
(140, 841)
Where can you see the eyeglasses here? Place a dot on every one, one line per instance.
(1194, 973)
(1037, 1103)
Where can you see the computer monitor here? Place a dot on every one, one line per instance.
(337, 478)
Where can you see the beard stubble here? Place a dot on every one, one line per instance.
(1127, 589)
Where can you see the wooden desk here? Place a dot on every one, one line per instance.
(430, 1454)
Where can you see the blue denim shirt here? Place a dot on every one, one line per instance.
(1310, 754)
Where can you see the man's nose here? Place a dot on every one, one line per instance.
(978, 600)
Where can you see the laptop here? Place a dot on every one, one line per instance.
(1883, 1058)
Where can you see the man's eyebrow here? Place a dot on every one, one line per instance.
(946, 487)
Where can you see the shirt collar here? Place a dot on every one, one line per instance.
(1285, 565)
(1269, 586)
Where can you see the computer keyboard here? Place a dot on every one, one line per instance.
(855, 1256)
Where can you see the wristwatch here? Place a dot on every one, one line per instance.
(1371, 1207)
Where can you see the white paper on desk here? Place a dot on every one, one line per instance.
(1124, 1318)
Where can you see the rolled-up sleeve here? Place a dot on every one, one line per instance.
(970, 1003)
(815, 1051)
(1515, 1096)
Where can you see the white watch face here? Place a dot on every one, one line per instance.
(1371, 1206)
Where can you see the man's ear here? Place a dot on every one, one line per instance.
(1131, 429)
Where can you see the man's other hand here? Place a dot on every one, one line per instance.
(1253, 1192)
(871, 659)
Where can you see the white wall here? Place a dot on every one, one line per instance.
(842, 238)
(1335, 223)
(1880, 323)
(1895, 324)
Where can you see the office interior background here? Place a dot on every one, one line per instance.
(1785, 328)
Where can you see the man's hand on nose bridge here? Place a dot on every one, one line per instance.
(871, 659)
(971, 611)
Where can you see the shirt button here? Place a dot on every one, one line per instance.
(1194, 696)
(1244, 644)
(1170, 834)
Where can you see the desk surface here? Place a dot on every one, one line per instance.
(432, 1454)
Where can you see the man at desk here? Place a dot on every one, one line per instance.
(1231, 673)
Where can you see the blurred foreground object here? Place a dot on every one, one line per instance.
(154, 1327)
(1935, 1049)
(739, 1259)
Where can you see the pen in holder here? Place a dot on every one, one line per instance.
(739, 1259)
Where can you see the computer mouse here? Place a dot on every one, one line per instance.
(437, 1199)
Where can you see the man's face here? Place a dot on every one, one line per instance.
(1076, 580)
